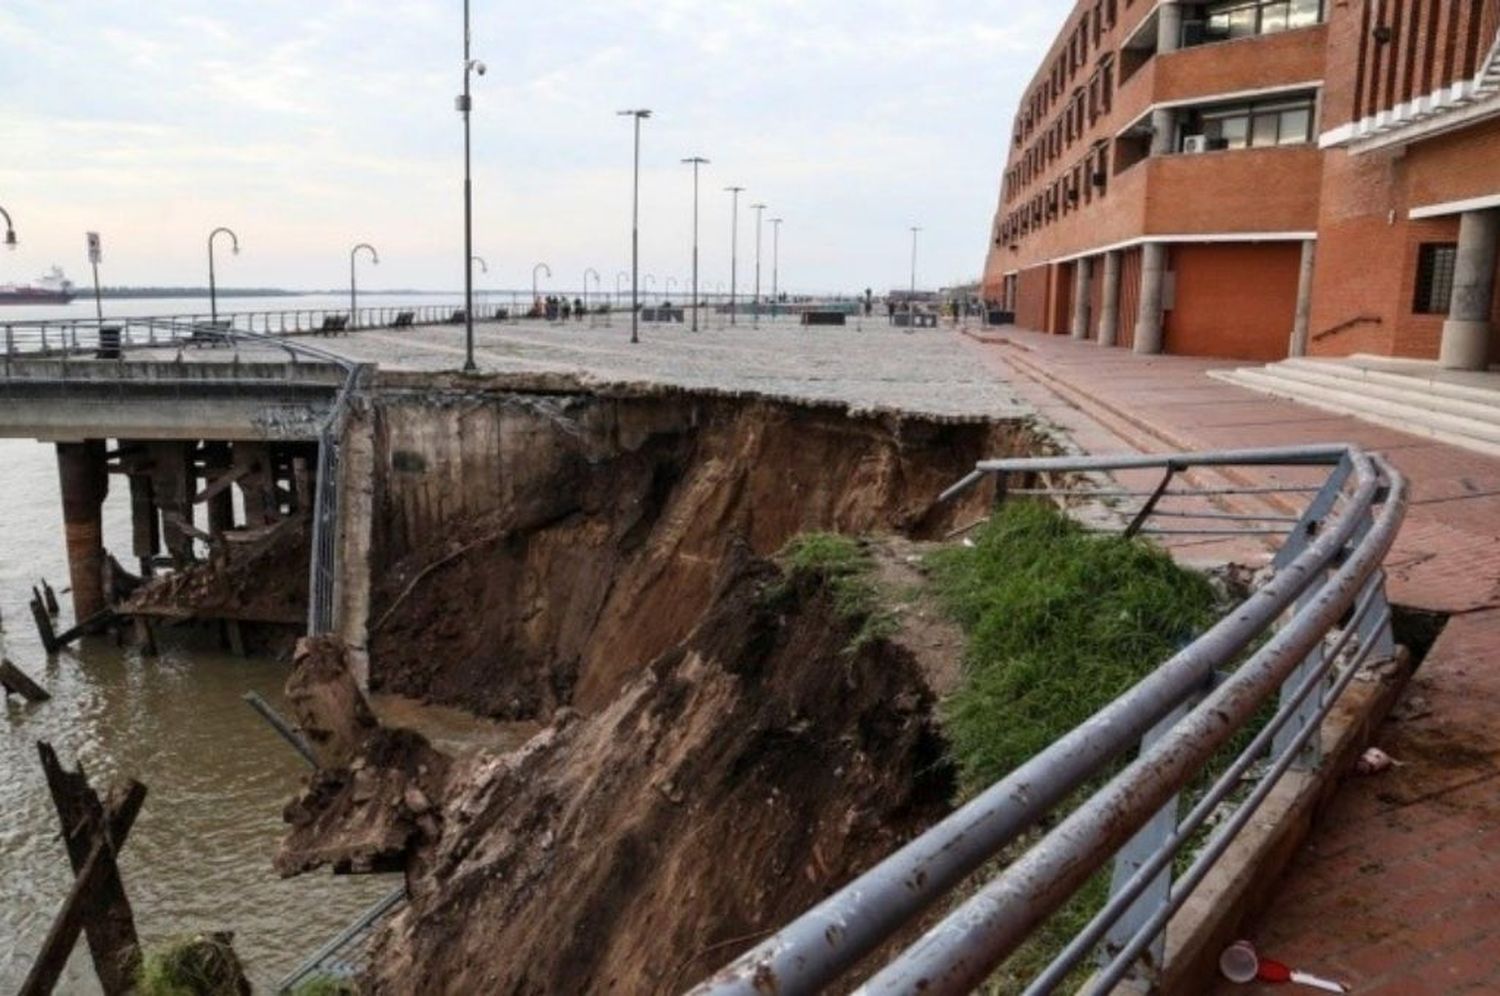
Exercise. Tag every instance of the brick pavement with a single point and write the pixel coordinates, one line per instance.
(1397, 891)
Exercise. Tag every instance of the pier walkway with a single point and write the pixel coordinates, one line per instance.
(1397, 891)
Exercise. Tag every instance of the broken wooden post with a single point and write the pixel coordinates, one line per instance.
(94, 834)
(93, 624)
(17, 682)
(50, 597)
(44, 628)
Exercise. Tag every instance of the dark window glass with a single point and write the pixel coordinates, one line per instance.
(1435, 263)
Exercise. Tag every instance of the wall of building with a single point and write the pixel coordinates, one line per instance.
(1235, 301)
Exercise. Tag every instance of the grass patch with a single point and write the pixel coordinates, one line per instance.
(844, 568)
(1059, 623)
(202, 965)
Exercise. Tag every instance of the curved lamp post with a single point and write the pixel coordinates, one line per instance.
(534, 269)
(465, 104)
(586, 285)
(912, 304)
(213, 289)
(10, 230)
(483, 268)
(353, 286)
(671, 282)
(650, 283)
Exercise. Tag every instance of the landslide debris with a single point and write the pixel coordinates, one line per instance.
(738, 779)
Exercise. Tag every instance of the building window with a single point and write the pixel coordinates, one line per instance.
(1435, 264)
(1245, 126)
(1232, 19)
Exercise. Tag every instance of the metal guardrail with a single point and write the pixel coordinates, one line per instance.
(1321, 615)
(345, 956)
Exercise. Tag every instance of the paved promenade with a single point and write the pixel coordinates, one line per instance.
(868, 365)
(1398, 890)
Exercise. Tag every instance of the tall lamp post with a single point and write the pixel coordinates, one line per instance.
(213, 287)
(10, 230)
(695, 162)
(734, 251)
(775, 264)
(760, 213)
(635, 226)
(353, 286)
(465, 104)
(911, 305)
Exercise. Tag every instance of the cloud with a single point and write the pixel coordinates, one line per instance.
(315, 125)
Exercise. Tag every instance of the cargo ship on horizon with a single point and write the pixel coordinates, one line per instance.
(54, 288)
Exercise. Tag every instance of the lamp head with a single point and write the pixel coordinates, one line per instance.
(10, 238)
(478, 66)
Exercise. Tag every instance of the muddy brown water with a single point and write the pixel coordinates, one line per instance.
(200, 855)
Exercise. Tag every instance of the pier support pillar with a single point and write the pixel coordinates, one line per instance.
(1148, 325)
(85, 482)
(172, 479)
(1109, 305)
(1304, 299)
(1083, 271)
(1467, 332)
(217, 460)
(145, 527)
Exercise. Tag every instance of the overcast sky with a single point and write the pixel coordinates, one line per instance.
(308, 126)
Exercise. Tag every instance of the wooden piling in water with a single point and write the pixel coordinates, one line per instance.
(43, 624)
(16, 682)
(94, 833)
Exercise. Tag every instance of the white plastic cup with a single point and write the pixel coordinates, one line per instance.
(1239, 962)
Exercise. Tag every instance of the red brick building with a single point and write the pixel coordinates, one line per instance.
(1260, 178)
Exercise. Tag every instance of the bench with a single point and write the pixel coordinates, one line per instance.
(210, 334)
(997, 317)
(333, 324)
(502, 314)
(678, 315)
(404, 320)
(824, 318)
(917, 320)
(458, 317)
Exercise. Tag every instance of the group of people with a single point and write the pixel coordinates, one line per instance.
(558, 308)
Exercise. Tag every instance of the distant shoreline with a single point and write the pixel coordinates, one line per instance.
(137, 293)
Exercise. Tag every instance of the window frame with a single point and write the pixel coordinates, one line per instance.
(1432, 292)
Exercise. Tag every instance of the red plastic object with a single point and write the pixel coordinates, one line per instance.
(1273, 971)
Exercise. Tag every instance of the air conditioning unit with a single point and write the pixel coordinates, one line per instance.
(1195, 144)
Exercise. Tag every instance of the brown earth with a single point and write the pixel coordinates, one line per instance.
(264, 582)
(603, 540)
(738, 779)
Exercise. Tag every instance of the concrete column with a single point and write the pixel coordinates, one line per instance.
(145, 524)
(1304, 299)
(1163, 131)
(1169, 27)
(1148, 325)
(1083, 271)
(1109, 304)
(85, 482)
(1466, 333)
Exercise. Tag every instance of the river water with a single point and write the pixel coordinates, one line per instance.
(218, 776)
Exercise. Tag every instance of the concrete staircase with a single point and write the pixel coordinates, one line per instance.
(1416, 398)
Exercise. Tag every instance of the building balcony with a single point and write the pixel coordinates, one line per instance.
(1255, 190)
(1247, 65)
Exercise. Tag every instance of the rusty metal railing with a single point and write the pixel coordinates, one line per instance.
(1303, 634)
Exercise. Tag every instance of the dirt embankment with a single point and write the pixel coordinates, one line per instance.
(734, 782)
(538, 552)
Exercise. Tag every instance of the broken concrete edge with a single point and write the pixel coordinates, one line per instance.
(1246, 878)
(555, 383)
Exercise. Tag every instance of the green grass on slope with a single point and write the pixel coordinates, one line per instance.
(1059, 622)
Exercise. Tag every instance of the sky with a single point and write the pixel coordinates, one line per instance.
(307, 127)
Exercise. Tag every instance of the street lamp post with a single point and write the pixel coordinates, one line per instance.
(465, 104)
(734, 251)
(635, 226)
(775, 264)
(10, 230)
(760, 212)
(695, 162)
(540, 266)
(213, 287)
(586, 285)
(483, 268)
(353, 286)
(911, 305)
